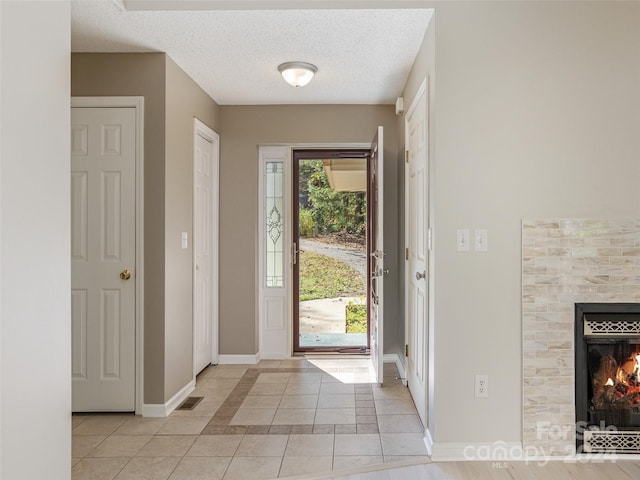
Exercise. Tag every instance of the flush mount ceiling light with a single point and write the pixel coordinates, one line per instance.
(297, 74)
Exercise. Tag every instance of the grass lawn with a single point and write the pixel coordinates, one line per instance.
(325, 277)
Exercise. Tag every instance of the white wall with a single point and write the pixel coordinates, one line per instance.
(35, 270)
(537, 115)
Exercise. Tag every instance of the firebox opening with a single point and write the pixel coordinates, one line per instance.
(607, 376)
(614, 389)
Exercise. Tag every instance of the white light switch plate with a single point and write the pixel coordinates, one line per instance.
(463, 240)
(481, 240)
(184, 240)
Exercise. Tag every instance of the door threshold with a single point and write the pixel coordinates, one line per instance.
(335, 355)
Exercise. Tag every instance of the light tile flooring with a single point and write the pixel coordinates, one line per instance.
(271, 420)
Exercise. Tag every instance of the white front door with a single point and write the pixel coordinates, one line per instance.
(205, 249)
(417, 243)
(103, 219)
(376, 255)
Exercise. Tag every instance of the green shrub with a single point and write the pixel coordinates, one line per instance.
(306, 224)
(356, 318)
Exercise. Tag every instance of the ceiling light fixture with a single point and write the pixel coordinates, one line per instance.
(297, 74)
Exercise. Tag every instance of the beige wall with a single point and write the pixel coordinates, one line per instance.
(140, 74)
(536, 113)
(184, 101)
(243, 129)
(172, 100)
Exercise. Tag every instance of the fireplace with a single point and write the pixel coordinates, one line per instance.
(607, 377)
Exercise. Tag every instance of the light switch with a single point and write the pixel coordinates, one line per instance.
(184, 240)
(462, 242)
(481, 241)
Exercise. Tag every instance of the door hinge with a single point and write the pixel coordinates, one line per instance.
(406, 350)
(406, 156)
(406, 254)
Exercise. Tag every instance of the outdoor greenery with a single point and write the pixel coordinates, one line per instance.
(356, 317)
(330, 211)
(325, 277)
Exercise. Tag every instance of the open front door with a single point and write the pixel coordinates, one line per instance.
(376, 254)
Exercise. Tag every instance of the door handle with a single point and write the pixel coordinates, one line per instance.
(125, 275)
(421, 276)
(295, 252)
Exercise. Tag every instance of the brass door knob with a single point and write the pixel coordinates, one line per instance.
(125, 275)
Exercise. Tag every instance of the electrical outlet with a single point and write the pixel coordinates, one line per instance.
(482, 386)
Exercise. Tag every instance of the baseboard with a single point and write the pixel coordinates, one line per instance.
(164, 410)
(274, 356)
(238, 359)
(154, 410)
(469, 452)
(395, 358)
(428, 441)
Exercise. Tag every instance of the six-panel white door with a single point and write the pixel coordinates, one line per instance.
(417, 262)
(103, 258)
(203, 243)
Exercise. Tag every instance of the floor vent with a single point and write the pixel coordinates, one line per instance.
(190, 403)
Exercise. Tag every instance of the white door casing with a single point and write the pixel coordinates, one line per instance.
(205, 246)
(376, 255)
(417, 238)
(103, 256)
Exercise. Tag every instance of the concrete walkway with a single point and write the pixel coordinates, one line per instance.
(323, 321)
(356, 259)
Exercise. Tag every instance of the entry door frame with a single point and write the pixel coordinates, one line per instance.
(275, 339)
(138, 104)
(200, 128)
(297, 155)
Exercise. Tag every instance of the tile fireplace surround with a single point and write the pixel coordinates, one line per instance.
(565, 262)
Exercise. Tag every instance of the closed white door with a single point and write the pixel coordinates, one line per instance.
(103, 258)
(203, 251)
(417, 261)
(376, 255)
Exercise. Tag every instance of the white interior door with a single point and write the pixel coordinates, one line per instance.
(205, 276)
(103, 199)
(376, 255)
(417, 243)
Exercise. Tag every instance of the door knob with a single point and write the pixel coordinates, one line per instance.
(125, 274)
(420, 276)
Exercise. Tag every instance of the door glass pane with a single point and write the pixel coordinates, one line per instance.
(332, 267)
(274, 242)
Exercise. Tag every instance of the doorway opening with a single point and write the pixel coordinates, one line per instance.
(330, 232)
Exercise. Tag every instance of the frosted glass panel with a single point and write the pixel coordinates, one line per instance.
(274, 211)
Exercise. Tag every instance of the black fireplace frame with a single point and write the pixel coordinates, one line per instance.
(580, 349)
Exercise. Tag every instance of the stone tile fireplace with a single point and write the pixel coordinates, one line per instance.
(566, 262)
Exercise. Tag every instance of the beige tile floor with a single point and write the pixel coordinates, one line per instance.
(271, 420)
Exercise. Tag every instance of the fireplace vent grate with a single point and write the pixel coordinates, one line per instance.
(609, 328)
(596, 441)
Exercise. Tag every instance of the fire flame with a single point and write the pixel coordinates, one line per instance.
(626, 381)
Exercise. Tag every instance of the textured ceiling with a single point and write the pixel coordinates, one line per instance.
(363, 56)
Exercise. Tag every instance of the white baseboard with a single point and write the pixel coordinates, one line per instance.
(395, 358)
(154, 410)
(487, 452)
(238, 359)
(428, 441)
(274, 356)
(164, 410)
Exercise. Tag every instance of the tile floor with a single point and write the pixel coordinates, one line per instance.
(271, 420)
